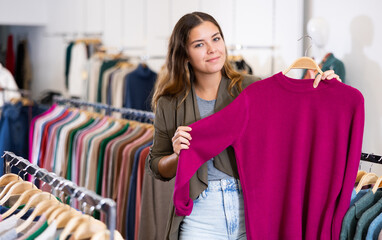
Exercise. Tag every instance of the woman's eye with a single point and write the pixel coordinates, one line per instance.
(198, 45)
(216, 39)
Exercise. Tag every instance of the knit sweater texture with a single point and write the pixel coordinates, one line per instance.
(297, 149)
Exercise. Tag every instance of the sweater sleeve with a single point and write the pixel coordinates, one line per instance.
(352, 163)
(210, 136)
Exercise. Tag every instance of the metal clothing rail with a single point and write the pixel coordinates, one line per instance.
(370, 157)
(106, 205)
(132, 114)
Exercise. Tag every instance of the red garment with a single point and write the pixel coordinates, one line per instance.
(10, 57)
(45, 137)
(141, 172)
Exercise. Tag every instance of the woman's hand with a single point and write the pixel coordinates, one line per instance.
(328, 75)
(181, 139)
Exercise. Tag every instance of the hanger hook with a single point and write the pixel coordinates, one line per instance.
(9, 163)
(22, 170)
(43, 182)
(100, 204)
(310, 43)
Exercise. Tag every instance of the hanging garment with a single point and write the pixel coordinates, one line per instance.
(314, 173)
(138, 88)
(10, 57)
(23, 69)
(374, 228)
(132, 196)
(76, 79)
(367, 217)
(104, 67)
(67, 63)
(155, 207)
(349, 223)
(140, 174)
(7, 81)
(329, 62)
(14, 128)
(93, 69)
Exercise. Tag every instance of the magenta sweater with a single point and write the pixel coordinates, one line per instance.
(297, 150)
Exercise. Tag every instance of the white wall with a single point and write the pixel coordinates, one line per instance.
(143, 27)
(355, 38)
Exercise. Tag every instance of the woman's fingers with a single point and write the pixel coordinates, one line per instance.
(181, 139)
(317, 80)
(327, 75)
(183, 128)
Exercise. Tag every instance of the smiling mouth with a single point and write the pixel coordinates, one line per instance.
(213, 59)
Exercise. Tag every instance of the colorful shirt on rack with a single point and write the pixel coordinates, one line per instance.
(284, 131)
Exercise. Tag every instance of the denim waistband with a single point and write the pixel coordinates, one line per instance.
(219, 185)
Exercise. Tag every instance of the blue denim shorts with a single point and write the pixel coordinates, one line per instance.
(218, 213)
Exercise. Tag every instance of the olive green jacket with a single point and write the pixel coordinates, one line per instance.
(167, 119)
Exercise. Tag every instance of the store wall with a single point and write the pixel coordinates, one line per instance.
(355, 38)
(143, 27)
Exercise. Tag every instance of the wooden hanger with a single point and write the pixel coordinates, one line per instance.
(57, 211)
(366, 179)
(125, 64)
(360, 174)
(72, 225)
(377, 185)
(7, 178)
(51, 209)
(88, 229)
(34, 201)
(38, 211)
(65, 217)
(23, 199)
(304, 63)
(17, 189)
(8, 186)
(105, 235)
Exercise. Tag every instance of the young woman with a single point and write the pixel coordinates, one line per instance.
(198, 81)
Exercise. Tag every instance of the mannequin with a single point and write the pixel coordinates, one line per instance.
(318, 29)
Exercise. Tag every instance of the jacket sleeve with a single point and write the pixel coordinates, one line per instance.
(351, 168)
(210, 136)
(162, 144)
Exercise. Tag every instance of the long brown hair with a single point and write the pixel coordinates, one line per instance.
(175, 79)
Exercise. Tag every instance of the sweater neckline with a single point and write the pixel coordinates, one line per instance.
(300, 85)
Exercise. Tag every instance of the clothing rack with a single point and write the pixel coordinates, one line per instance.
(106, 205)
(370, 157)
(133, 114)
(22, 91)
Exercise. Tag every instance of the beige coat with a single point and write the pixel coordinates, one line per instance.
(167, 119)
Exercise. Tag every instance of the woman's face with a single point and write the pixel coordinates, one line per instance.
(206, 49)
